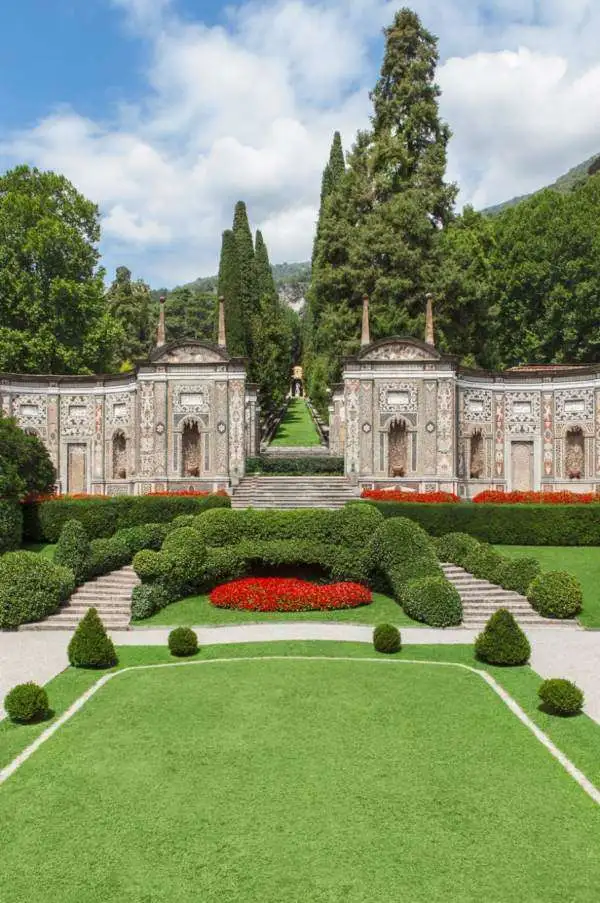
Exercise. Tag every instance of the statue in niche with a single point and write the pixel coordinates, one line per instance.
(574, 453)
(119, 451)
(398, 450)
(190, 450)
(477, 465)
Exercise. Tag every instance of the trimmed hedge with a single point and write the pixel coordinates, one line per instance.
(324, 465)
(455, 547)
(518, 525)
(101, 517)
(26, 703)
(90, 646)
(485, 563)
(11, 525)
(401, 551)
(561, 697)
(73, 550)
(432, 600)
(183, 642)
(556, 594)
(516, 574)
(386, 639)
(502, 641)
(31, 587)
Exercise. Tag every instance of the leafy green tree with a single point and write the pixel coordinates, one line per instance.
(25, 466)
(130, 304)
(191, 313)
(52, 310)
(229, 288)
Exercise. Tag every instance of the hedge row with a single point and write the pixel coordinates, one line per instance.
(11, 525)
(31, 587)
(524, 525)
(327, 466)
(101, 517)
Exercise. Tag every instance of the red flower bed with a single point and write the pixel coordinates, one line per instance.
(187, 492)
(288, 594)
(536, 498)
(396, 495)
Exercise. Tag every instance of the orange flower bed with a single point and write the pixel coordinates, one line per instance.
(192, 493)
(491, 496)
(396, 495)
(288, 594)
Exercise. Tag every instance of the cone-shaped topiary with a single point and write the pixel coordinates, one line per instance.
(386, 638)
(560, 696)
(90, 647)
(26, 702)
(73, 550)
(502, 641)
(183, 641)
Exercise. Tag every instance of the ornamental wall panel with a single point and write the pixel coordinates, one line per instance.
(366, 426)
(429, 438)
(352, 427)
(445, 428)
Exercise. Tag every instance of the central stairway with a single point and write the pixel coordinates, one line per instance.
(293, 492)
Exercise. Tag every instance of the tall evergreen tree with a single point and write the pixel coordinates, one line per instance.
(229, 288)
(248, 291)
(130, 304)
(265, 283)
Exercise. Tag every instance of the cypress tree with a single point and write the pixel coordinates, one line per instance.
(265, 283)
(229, 288)
(248, 289)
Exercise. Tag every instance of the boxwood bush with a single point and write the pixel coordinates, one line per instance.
(432, 600)
(73, 550)
(516, 574)
(183, 642)
(556, 594)
(502, 641)
(561, 697)
(386, 638)
(453, 548)
(485, 563)
(326, 465)
(26, 703)
(147, 599)
(11, 525)
(90, 646)
(401, 551)
(31, 587)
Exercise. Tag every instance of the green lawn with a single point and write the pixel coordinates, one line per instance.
(300, 780)
(42, 548)
(583, 562)
(297, 427)
(197, 610)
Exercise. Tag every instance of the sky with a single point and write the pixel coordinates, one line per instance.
(166, 112)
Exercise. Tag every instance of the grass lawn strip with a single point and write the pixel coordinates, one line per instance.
(296, 780)
(581, 561)
(297, 427)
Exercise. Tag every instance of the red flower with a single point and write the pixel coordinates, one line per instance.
(397, 495)
(536, 498)
(288, 594)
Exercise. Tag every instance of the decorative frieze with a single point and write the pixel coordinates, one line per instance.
(499, 434)
(445, 428)
(522, 412)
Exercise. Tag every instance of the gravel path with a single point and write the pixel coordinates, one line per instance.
(571, 653)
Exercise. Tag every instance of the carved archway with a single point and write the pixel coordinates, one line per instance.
(398, 448)
(119, 456)
(476, 456)
(574, 453)
(191, 449)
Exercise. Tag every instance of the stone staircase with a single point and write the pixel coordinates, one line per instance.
(110, 594)
(293, 492)
(481, 599)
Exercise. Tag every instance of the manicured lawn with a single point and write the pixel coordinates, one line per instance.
(297, 427)
(197, 610)
(42, 548)
(298, 780)
(583, 562)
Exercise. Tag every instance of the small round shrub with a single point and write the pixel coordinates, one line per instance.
(556, 595)
(386, 638)
(453, 548)
(73, 550)
(31, 587)
(149, 565)
(183, 641)
(90, 646)
(26, 702)
(502, 641)
(432, 600)
(147, 599)
(516, 574)
(182, 520)
(484, 563)
(561, 697)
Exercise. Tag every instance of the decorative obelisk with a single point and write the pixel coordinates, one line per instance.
(160, 333)
(222, 340)
(429, 336)
(365, 338)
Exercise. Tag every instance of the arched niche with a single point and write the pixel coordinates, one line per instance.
(574, 453)
(398, 448)
(476, 455)
(119, 456)
(191, 449)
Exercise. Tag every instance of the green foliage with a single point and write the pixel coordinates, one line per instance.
(516, 574)
(561, 697)
(26, 703)
(130, 305)
(301, 466)
(190, 313)
(229, 288)
(502, 641)
(25, 466)
(386, 638)
(52, 307)
(244, 249)
(556, 594)
(522, 525)
(108, 555)
(401, 551)
(73, 550)
(147, 599)
(148, 565)
(223, 565)
(432, 600)
(454, 548)
(183, 642)
(485, 563)
(31, 587)
(90, 646)
(356, 525)
(11, 525)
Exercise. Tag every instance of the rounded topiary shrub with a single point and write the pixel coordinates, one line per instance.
(516, 574)
(502, 641)
(386, 638)
(108, 555)
(561, 697)
(455, 547)
(183, 641)
(403, 551)
(31, 587)
(73, 550)
(356, 524)
(147, 599)
(149, 565)
(432, 600)
(26, 702)
(484, 563)
(556, 595)
(90, 647)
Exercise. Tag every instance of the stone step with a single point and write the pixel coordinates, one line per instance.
(109, 591)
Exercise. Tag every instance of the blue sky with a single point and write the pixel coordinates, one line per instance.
(165, 112)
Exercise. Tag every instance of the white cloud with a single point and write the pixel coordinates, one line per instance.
(247, 110)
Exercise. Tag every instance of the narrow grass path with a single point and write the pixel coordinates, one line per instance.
(296, 780)
(297, 427)
(581, 561)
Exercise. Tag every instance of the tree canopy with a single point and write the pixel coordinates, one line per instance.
(25, 466)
